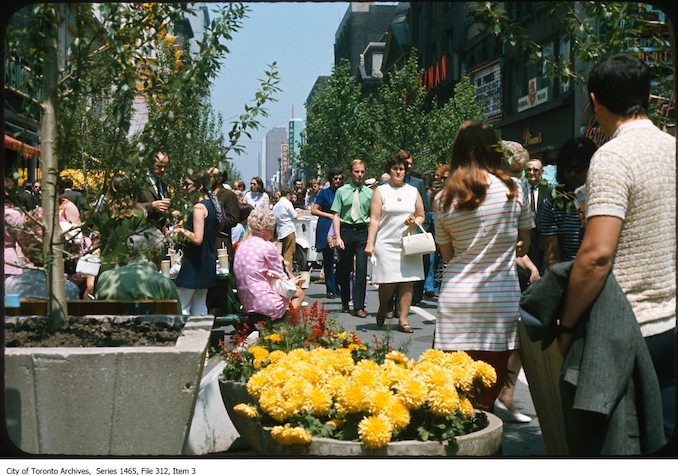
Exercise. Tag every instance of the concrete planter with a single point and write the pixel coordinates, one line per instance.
(106, 401)
(485, 442)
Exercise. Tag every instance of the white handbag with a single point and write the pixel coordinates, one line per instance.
(421, 243)
(88, 264)
(284, 288)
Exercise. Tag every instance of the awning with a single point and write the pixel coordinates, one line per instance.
(26, 151)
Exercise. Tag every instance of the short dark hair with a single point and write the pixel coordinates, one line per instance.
(334, 172)
(398, 158)
(244, 211)
(284, 191)
(260, 182)
(575, 152)
(621, 83)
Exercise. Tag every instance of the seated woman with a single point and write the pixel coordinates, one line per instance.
(257, 262)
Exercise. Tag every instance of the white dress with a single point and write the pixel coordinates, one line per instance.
(391, 264)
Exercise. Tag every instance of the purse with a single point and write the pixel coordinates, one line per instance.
(285, 288)
(420, 243)
(88, 264)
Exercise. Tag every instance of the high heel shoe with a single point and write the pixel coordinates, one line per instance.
(504, 413)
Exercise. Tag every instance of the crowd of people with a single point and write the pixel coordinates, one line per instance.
(499, 229)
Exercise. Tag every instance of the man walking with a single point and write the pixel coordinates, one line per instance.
(351, 208)
(418, 183)
(630, 218)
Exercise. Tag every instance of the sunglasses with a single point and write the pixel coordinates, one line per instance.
(534, 170)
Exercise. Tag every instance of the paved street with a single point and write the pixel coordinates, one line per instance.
(519, 440)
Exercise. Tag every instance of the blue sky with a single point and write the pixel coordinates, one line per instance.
(300, 37)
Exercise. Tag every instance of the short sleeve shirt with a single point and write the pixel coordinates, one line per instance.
(343, 201)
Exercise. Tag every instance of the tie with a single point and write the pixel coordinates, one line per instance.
(532, 202)
(355, 207)
(158, 186)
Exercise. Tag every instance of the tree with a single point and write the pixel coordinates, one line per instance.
(339, 124)
(114, 53)
(595, 30)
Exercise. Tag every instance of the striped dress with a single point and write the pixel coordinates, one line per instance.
(479, 295)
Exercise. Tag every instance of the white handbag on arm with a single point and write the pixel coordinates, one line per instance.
(417, 244)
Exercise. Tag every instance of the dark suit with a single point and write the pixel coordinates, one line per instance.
(418, 285)
(147, 194)
(537, 241)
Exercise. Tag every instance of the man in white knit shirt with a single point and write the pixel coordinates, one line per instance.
(630, 218)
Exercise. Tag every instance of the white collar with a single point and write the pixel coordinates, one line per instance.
(632, 125)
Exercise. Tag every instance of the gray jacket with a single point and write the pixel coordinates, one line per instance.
(609, 389)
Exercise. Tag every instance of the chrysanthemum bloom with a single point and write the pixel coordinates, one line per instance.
(435, 376)
(273, 404)
(394, 373)
(412, 392)
(486, 373)
(375, 431)
(433, 355)
(397, 414)
(443, 400)
(465, 407)
(462, 377)
(276, 355)
(334, 384)
(257, 382)
(259, 352)
(286, 435)
(246, 410)
(354, 397)
(458, 358)
(318, 402)
(369, 374)
(342, 361)
(398, 358)
(380, 399)
(273, 337)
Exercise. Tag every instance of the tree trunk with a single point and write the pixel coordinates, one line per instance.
(53, 244)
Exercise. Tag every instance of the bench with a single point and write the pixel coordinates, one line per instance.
(81, 308)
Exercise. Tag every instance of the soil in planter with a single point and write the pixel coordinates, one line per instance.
(91, 333)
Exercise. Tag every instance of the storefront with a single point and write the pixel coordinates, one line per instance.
(21, 158)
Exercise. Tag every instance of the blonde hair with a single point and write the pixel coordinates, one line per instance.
(260, 220)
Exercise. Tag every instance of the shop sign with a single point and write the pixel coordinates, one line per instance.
(487, 80)
(435, 74)
(18, 77)
(529, 139)
(534, 97)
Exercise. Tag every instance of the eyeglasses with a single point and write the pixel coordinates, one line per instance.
(534, 170)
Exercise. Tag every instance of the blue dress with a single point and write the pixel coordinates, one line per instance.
(199, 264)
(324, 201)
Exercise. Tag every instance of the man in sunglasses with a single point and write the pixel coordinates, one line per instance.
(537, 191)
(153, 195)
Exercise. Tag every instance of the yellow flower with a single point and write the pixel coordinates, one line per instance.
(246, 410)
(273, 337)
(272, 403)
(398, 358)
(334, 384)
(397, 414)
(379, 400)
(432, 355)
(354, 397)
(286, 435)
(356, 346)
(458, 358)
(341, 335)
(259, 352)
(412, 392)
(375, 431)
(443, 400)
(318, 401)
(275, 356)
(465, 407)
(256, 383)
(486, 373)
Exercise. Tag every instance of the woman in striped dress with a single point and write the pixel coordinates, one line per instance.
(481, 224)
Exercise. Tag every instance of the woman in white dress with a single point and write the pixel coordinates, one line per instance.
(395, 207)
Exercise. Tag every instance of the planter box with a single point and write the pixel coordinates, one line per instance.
(485, 442)
(106, 401)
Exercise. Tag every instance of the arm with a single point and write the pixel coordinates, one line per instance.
(552, 251)
(589, 271)
(446, 251)
(526, 263)
(419, 216)
(523, 242)
(199, 215)
(375, 219)
(315, 210)
(336, 225)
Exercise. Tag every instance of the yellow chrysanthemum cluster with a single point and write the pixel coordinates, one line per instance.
(328, 384)
(274, 337)
(286, 435)
(246, 410)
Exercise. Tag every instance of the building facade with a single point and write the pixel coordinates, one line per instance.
(275, 148)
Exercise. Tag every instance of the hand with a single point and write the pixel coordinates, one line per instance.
(534, 276)
(161, 205)
(564, 341)
(340, 243)
(369, 249)
(411, 221)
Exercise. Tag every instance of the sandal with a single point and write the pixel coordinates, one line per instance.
(405, 328)
(381, 318)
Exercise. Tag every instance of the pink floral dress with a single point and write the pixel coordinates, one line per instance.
(254, 258)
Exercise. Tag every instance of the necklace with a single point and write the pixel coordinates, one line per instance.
(398, 192)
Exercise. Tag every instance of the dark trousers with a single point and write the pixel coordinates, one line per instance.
(328, 268)
(355, 240)
(662, 350)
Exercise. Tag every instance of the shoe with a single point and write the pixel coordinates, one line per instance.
(320, 281)
(429, 294)
(344, 308)
(405, 328)
(505, 414)
(381, 318)
(360, 313)
(331, 296)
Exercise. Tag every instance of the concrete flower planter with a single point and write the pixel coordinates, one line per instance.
(485, 442)
(106, 401)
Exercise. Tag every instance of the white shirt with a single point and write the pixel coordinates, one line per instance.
(257, 200)
(284, 217)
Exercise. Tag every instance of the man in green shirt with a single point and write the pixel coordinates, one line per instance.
(139, 279)
(352, 215)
